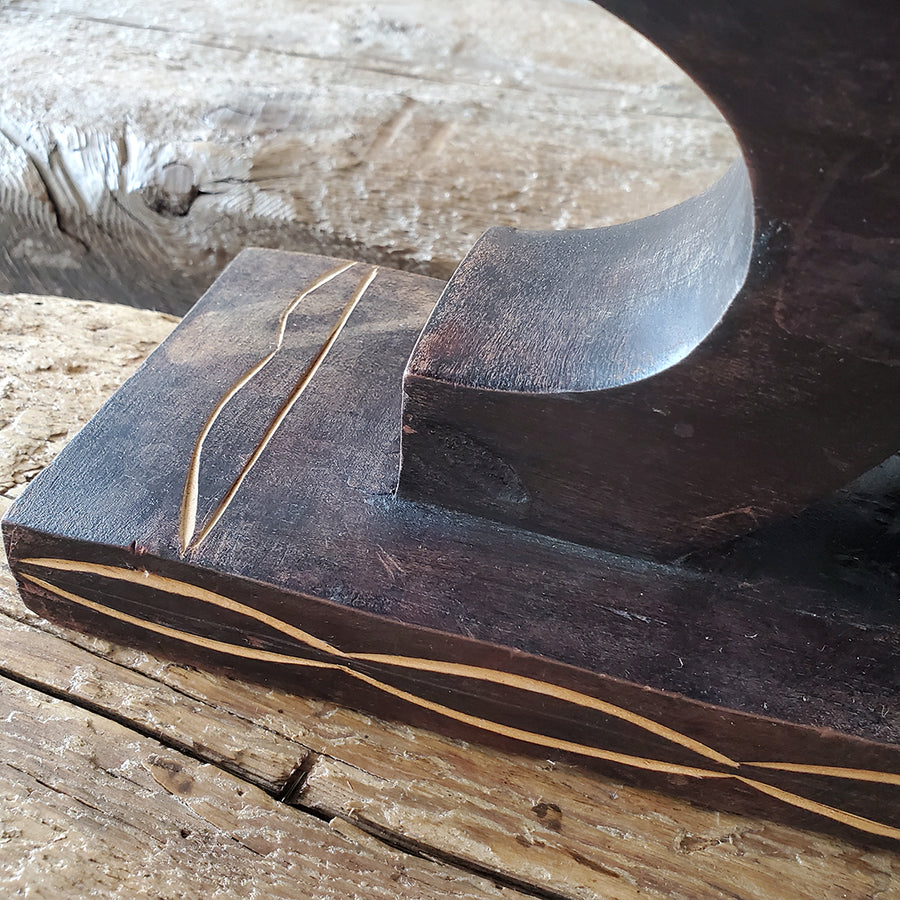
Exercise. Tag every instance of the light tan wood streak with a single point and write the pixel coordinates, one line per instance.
(846, 818)
(830, 771)
(547, 689)
(188, 517)
(186, 636)
(182, 589)
(495, 676)
(282, 414)
(830, 812)
(518, 734)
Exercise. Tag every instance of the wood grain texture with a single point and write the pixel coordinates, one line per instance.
(99, 810)
(587, 838)
(526, 830)
(448, 621)
(90, 678)
(46, 346)
(655, 387)
(558, 830)
(163, 141)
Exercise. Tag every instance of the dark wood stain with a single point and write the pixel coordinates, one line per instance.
(667, 384)
(753, 664)
(743, 653)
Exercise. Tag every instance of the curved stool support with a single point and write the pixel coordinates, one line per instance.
(601, 386)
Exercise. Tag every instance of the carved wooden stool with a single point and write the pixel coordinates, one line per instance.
(580, 499)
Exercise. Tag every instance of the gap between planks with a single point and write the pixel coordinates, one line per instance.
(289, 794)
(123, 808)
(564, 833)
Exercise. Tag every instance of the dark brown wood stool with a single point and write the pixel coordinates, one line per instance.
(625, 496)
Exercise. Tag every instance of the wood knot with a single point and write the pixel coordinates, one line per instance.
(170, 775)
(549, 814)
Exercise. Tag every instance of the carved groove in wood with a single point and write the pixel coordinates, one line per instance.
(351, 664)
(187, 523)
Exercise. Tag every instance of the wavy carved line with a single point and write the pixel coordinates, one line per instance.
(282, 658)
(495, 676)
(187, 524)
(188, 517)
(821, 809)
(842, 816)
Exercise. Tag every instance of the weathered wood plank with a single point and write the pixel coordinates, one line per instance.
(59, 362)
(92, 809)
(164, 139)
(234, 743)
(478, 808)
(587, 837)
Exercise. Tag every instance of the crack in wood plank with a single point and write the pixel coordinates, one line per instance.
(434, 854)
(293, 787)
(228, 815)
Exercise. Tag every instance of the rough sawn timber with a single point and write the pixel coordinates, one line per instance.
(100, 810)
(551, 830)
(164, 139)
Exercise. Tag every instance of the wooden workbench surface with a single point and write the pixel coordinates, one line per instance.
(162, 140)
(125, 775)
(167, 137)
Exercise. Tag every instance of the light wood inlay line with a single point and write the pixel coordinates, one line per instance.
(182, 589)
(187, 525)
(186, 589)
(287, 406)
(188, 518)
(829, 771)
(547, 689)
(495, 676)
(830, 812)
(284, 659)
